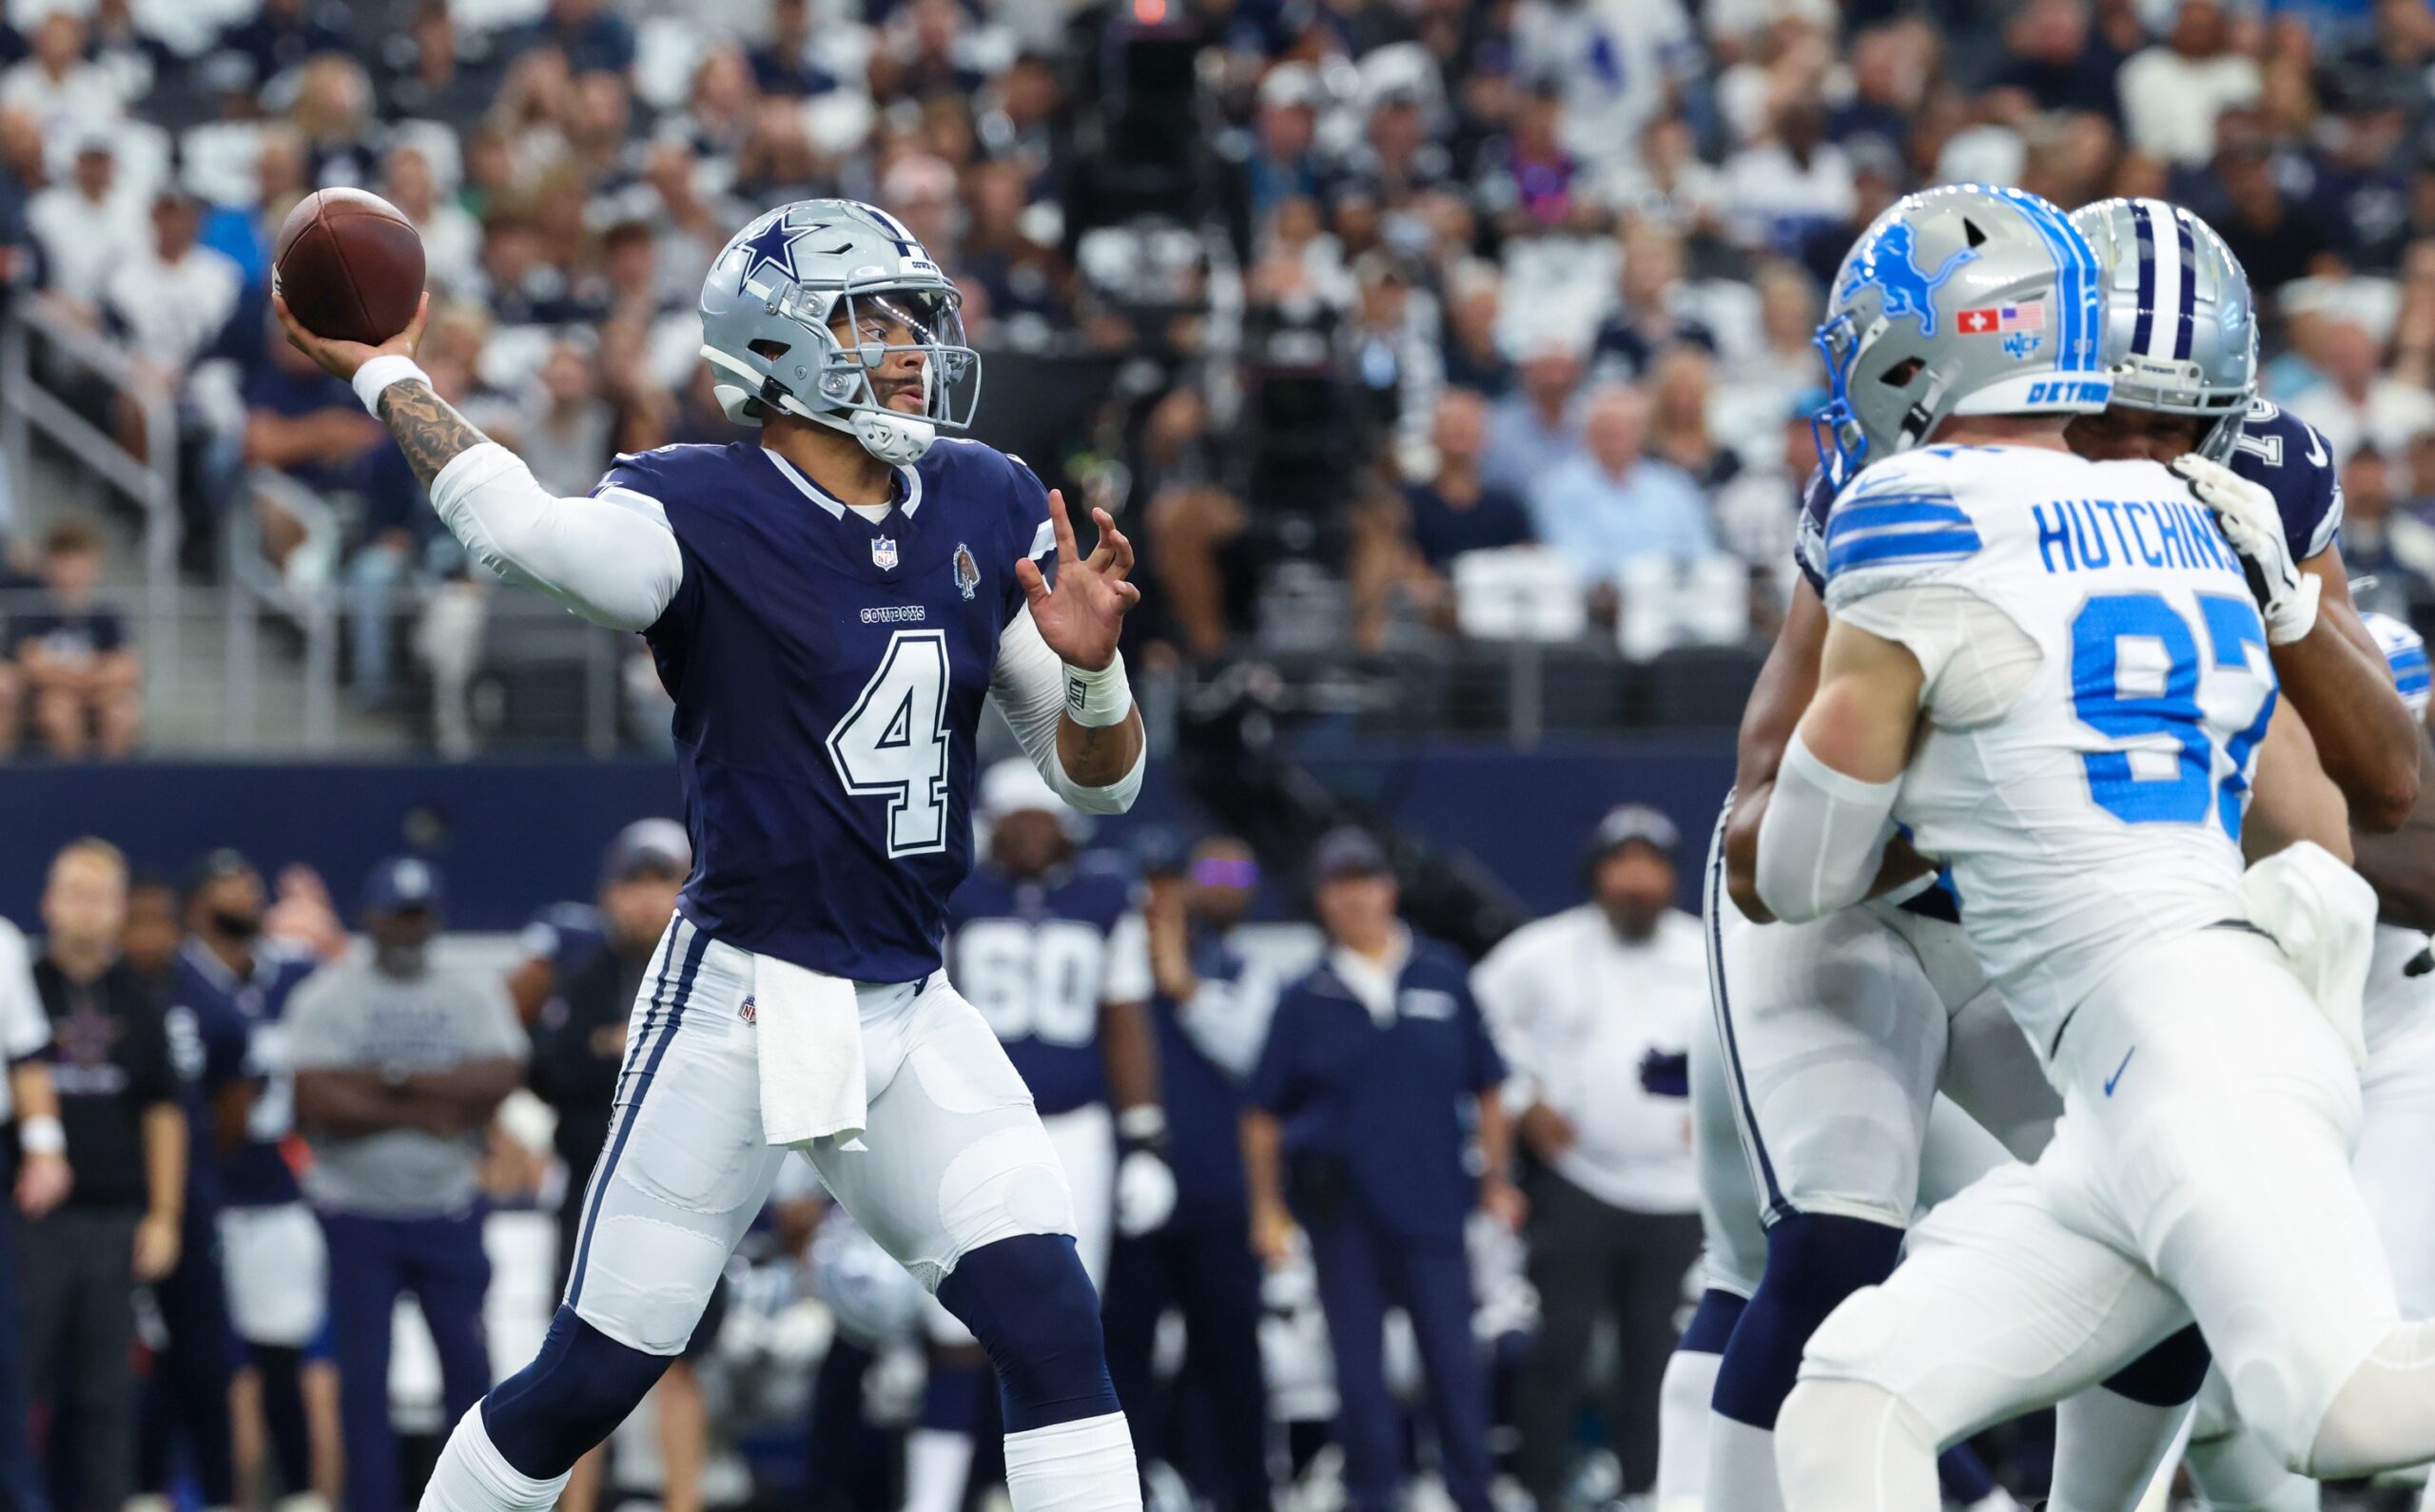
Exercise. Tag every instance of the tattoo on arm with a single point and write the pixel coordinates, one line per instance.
(428, 430)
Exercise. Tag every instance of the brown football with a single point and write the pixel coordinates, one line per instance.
(349, 266)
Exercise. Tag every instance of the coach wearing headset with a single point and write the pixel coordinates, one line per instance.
(1593, 1009)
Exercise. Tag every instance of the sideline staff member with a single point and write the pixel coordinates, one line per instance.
(1358, 1127)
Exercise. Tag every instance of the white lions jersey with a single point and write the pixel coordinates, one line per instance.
(2395, 1000)
(2094, 803)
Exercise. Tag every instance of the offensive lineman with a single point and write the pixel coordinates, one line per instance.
(1891, 993)
(829, 605)
(2069, 713)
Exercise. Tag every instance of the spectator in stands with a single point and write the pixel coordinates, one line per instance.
(1377, 1074)
(579, 1044)
(592, 35)
(1594, 1009)
(1681, 391)
(87, 227)
(282, 34)
(70, 97)
(80, 670)
(1285, 162)
(1456, 509)
(168, 304)
(1614, 502)
(400, 1063)
(567, 430)
(118, 1228)
(1649, 316)
(35, 1174)
(1537, 427)
(2056, 58)
(2392, 554)
(1757, 513)
(2358, 403)
(425, 77)
(2276, 237)
(452, 238)
(2172, 92)
(1473, 358)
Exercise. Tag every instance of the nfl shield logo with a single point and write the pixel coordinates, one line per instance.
(884, 552)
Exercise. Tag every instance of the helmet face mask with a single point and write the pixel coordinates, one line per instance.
(811, 311)
(2181, 332)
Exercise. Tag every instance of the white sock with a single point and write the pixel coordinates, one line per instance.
(1086, 1465)
(1683, 1415)
(937, 1463)
(2107, 1448)
(472, 1476)
(1741, 1467)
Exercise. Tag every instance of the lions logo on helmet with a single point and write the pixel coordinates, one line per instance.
(1898, 370)
(809, 310)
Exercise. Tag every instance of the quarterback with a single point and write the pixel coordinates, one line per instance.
(829, 603)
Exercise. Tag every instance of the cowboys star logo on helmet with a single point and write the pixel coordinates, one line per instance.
(782, 289)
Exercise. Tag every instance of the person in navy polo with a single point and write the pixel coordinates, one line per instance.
(1210, 1013)
(1376, 1077)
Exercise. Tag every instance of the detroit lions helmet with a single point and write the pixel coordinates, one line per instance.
(2181, 327)
(1968, 299)
(779, 288)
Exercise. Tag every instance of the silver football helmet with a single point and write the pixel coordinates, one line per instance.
(783, 288)
(1968, 299)
(2180, 326)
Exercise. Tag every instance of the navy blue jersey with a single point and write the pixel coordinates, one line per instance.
(236, 1023)
(1039, 958)
(1385, 1103)
(2287, 457)
(828, 674)
(1204, 1102)
(2278, 451)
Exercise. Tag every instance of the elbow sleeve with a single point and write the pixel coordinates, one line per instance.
(1821, 841)
(1113, 799)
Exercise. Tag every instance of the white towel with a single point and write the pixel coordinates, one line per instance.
(810, 1034)
(2323, 915)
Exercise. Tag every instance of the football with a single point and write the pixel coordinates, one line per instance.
(350, 266)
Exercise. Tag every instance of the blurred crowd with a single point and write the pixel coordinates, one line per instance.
(246, 1122)
(1377, 321)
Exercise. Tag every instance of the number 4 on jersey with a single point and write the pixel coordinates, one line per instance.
(893, 742)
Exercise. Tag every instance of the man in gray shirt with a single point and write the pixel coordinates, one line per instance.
(399, 1065)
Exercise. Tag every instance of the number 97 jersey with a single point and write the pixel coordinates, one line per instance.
(1040, 958)
(2085, 768)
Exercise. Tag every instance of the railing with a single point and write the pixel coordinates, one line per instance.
(26, 405)
(300, 592)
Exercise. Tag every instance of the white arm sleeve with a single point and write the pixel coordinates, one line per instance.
(610, 559)
(1823, 836)
(1975, 659)
(1029, 685)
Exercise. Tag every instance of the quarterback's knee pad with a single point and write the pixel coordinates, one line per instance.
(1848, 1444)
(2168, 1375)
(2381, 1419)
(1712, 1321)
(1814, 1262)
(1032, 1306)
(573, 1394)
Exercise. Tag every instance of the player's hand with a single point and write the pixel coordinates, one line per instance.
(1146, 1194)
(156, 1245)
(1272, 1232)
(43, 1183)
(340, 358)
(2287, 596)
(1079, 618)
(1548, 1133)
(1502, 1201)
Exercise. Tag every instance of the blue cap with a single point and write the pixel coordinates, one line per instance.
(1635, 825)
(1349, 851)
(403, 882)
(648, 845)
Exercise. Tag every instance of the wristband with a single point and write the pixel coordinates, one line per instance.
(1142, 1125)
(1096, 699)
(375, 376)
(42, 1136)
